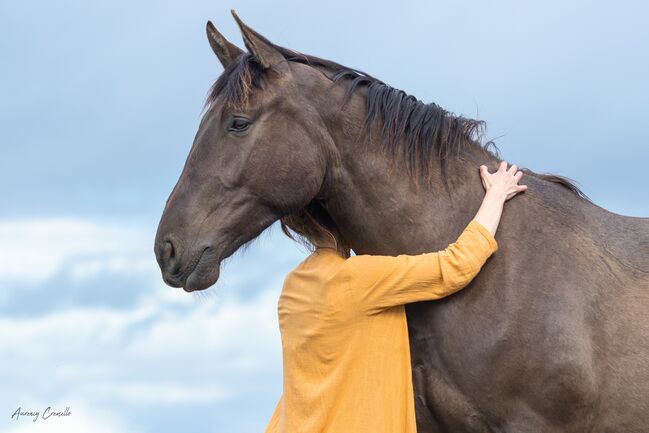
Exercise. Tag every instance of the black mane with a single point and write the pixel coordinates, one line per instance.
(422, 133)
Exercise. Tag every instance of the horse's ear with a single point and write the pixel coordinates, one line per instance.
(224, 49)
(261, 48)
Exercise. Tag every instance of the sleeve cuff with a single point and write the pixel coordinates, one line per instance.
(493, 244)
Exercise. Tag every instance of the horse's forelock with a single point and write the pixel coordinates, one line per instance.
(237, 82)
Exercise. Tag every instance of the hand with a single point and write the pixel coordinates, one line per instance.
(502, 183)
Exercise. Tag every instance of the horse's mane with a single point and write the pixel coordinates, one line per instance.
(422, 133)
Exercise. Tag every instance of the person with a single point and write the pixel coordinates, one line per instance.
(345, 348)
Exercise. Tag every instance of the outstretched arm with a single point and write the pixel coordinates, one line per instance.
(379, 282)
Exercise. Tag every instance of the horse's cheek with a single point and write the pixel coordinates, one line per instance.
(290, 178)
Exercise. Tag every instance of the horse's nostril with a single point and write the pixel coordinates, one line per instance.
(168, 250)
(168, 254)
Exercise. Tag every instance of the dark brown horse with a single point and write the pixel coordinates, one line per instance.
(553, 334)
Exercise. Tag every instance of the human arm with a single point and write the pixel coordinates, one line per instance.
(379, 282)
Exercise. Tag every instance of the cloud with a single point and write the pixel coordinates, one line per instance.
(157, 394)
(84, 316)
(51, 264)
(207, 357)
(197, 347)
(36, 249)
(209, 353)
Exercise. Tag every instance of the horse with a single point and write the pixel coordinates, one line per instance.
(551, 336)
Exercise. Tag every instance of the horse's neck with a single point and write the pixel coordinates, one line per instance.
(380, 210)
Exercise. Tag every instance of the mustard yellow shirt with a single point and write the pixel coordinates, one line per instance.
(345, 349)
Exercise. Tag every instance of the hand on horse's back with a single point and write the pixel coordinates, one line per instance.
(503, 182)
(500, 186)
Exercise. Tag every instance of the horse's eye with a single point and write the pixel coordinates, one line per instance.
(239, 124)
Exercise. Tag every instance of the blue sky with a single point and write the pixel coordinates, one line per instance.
(99, 105)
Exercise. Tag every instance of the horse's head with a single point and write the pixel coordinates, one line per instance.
(254, 159)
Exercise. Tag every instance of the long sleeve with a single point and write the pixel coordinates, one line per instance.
(378, 282)
(273, 423)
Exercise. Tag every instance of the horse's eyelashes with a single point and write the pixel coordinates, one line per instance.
(239, 124)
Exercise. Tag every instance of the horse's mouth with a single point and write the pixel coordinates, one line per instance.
(203, 270)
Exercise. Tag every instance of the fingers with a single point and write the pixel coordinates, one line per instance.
(517, 177)
(513, 170)
(483, 175)
(504, 179)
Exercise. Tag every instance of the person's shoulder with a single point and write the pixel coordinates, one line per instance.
(301, 266)
(318, 262)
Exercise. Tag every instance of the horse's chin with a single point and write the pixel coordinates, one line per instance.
(205, 274)
(202, 280)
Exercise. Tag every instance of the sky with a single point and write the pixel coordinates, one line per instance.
(99, 103)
